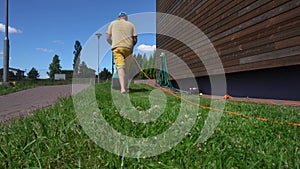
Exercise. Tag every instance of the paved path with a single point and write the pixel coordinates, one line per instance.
(24, 102)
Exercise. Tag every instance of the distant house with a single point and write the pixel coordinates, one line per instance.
(16, 73)
(68, 73)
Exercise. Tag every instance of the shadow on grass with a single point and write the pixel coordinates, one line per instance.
(142, 90)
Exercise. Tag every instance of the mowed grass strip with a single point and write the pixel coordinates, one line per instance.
(54, 138)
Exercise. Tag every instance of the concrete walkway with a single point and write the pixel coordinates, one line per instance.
(24, 102)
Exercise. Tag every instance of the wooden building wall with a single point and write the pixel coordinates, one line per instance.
(249, 35)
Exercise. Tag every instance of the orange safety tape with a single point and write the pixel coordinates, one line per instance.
(207, 107)
(291, 103)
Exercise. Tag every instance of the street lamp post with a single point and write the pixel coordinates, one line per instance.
(6, 47)
(98, 35)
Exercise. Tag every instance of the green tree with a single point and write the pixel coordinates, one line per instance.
(54, 67)
(150, 67)
(144, 66)
(105, 74)
(19, 75)
(148, 64)
(139, 59)
(153, 63)
(133, 70)
(33, 74)
(11, 75)
(76, 59)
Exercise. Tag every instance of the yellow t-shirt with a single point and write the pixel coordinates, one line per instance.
(122, 32)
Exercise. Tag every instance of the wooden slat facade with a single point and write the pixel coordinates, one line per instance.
(238, 30)
(248, 35)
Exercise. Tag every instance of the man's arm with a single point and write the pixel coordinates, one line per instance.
(134, 40)
(108, 38)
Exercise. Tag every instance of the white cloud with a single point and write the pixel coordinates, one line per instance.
(1, 53)
(146, 48)
(45, 50)
(10, 29)
(59, 42)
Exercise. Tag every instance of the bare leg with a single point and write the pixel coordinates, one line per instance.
(128, 61)
(121, 73)
(126, 81)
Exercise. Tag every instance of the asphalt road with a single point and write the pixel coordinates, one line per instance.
(24, 102)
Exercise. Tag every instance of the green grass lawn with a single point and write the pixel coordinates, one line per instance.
(54, 138)
(27, 84)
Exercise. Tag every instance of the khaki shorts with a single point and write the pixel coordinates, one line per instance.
(122, 57)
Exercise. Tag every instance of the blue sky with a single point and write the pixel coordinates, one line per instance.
(39, 29)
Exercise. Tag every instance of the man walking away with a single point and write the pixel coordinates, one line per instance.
(122, 37)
